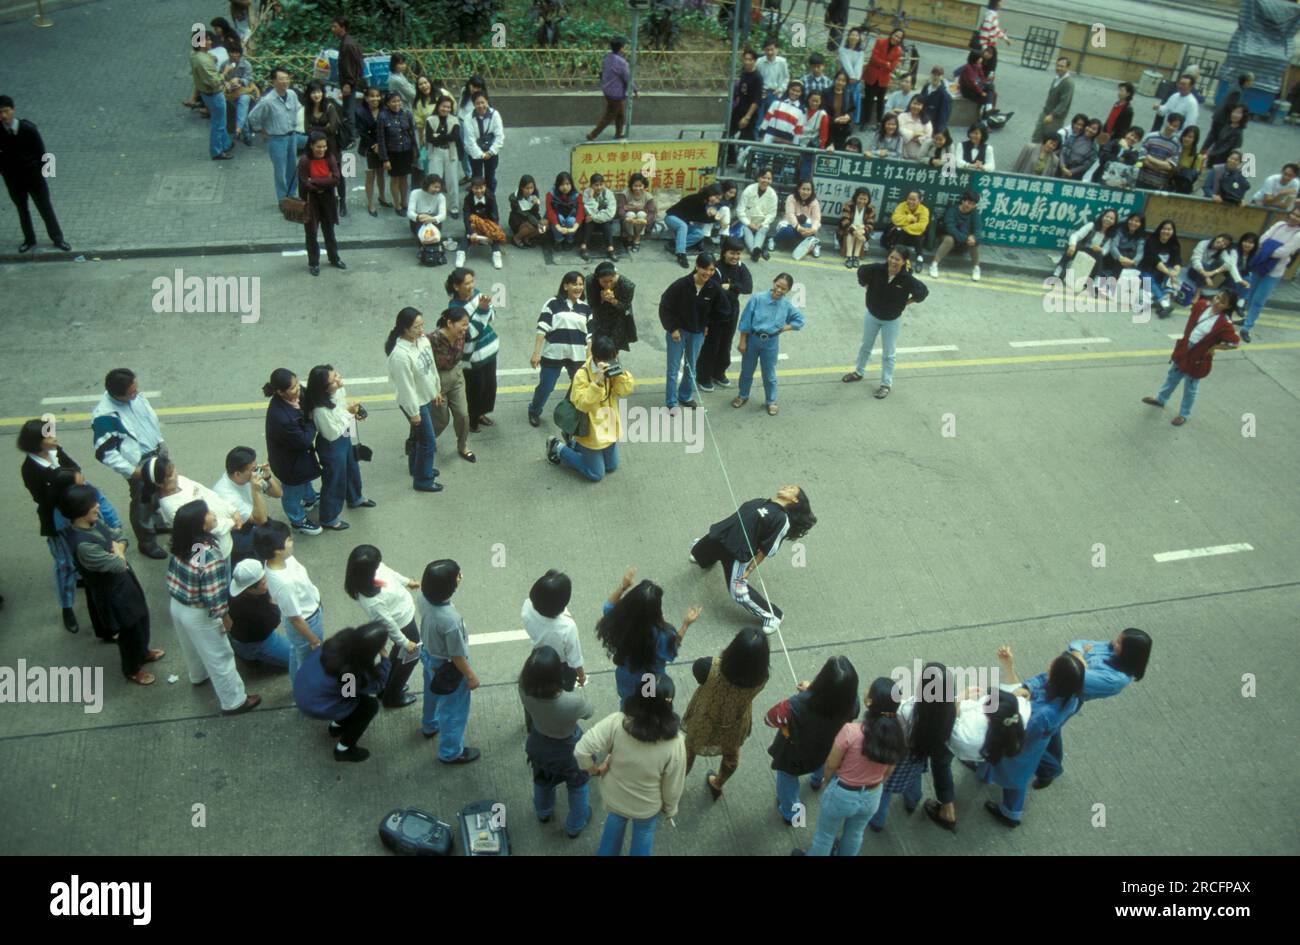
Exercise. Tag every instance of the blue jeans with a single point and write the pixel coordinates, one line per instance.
(284, 164)
(293, 500)
(420, 462)
(1261, 287)
(340, 477)
(1171, 384)
(787, 791)
(565, 239)
(643, 835)
(447, 715)
(684, 234)
(911, 797)
(1013, 799)
(273, 651)
(1051, 766)
(760, 351)
(218, 140)
(545, 385)
(590, 463)
(689, 345)
(241, 113)
(888, 331)
(754, 239)
(299, 648)
(579, 805)
(847, 810)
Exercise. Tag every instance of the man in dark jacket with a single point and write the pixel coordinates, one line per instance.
(689, 307)
(690, 219)
(22, 161)
(351, 62)
(610, 296)
(715, 353)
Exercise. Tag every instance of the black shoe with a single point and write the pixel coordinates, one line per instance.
(1245, 336)
(755, 254)
(70, 621)
(436, 487)
(63, 245)
(223, 156)
(153, 551)
(343, 210)
(690, 403)
(722, 382)
(466, 756)
(534, 420)
(430, 734)
(682, 261)
(1041, 782)
(874, 828)
(583, 254)
(339, 264)
(368, 504)
(548, 256)
(27, 247)
(373, 213)
(314, 270)
(766, 254)
(351, 754)
(401, 702)
(335, 729)
(993, 809)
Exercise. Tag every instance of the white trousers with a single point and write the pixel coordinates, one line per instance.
(207, 653)
(442, 161)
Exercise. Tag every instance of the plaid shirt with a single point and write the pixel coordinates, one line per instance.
(816, 83)
(202, 580)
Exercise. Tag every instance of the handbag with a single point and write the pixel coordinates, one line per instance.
(293, 209)
(569, 418)
(446, 679)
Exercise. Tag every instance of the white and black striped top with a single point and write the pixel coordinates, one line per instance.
(566, 326)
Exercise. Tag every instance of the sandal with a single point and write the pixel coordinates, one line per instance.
(486, 421)
(851, 378)
(772, 410)
(739, 401)
(882, 392)
(142, 678)
(154, 656)
(469, 455)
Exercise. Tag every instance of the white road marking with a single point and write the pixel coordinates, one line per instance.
(293, 252)
(90, 398)
(364, 381)
(1176, 336)
(1201, 552)
(502, 636)
(923, 349)
(1059, 341)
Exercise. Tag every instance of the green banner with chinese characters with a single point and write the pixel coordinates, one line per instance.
(1015, 209)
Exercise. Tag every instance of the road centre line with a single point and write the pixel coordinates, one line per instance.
(1201, 552)
(89, 398)
(1059, 341)
(1003, 361)
(501, 636)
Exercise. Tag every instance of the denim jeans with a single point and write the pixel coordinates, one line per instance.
(1261, 287)
(888, 331)
(643, 835)
(447, 715)
(1171, 384)
(420, 462)
(284, 164)
(293, 500)
(689, 345)
(218, 139)
(579, 805)
(565, 239)
(340, 477)
(763, 352)
(1051, 766)
(545, 385)
(754, 239)
(273, 651)
(1013, 799)
(299, 648)
(684, 234)
(593, 464)
(847, 810)
(241, 111)
(911, 797)
(787, 791)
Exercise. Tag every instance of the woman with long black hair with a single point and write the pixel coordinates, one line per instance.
(1161, 262)
(1093, 239)
(411, 367)
(325, 400)
(927, 718)
(1125, 249)
(319, 114)
(555, 713)
(720, 716)
(741, 542)
(860, 760)
(290, 442)
(447, 342)
(635, 635)
(385, 596)
(807, 724)
(339, 682)
(481, 346)
(365, 118)
(397, 148)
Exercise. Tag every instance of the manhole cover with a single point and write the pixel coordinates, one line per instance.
(185, 189)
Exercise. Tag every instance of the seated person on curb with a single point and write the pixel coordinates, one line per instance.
(689, 219)
(482, 222)
(426, 211)
(601, 206)
(960, 230)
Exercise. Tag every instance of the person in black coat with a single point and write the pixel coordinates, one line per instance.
(688, 308)
(690, 219)
(22, 158)
(365, 119)
(891, 287)
(319, 193)
(610, 296)
(715, 353)
(290, 437)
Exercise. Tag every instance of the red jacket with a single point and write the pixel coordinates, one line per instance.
(879, 69)
(1195, 361)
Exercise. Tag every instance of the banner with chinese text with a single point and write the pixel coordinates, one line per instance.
(681, 166)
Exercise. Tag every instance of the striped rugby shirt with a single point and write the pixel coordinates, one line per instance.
(566, 327)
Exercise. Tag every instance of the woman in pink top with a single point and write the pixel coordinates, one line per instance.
(860, 760)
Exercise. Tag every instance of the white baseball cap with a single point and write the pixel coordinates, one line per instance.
(247, 573)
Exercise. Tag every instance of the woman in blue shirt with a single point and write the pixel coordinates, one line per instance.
(636, 636)
(1054, 696)
(766, 317)
(1110, 668)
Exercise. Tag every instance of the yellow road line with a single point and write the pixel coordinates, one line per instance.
(1064, 357)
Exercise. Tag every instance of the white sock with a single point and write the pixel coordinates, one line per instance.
(341, 747)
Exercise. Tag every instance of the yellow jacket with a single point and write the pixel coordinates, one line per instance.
(913, 224)
(600, 403)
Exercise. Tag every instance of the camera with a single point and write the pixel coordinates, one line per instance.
(613, 369)
(361, 412)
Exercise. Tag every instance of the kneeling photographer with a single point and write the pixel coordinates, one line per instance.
(589, 415)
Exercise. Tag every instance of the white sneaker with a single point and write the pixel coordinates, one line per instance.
(934, 270)
(803, 248)
(919, 259)
(496, 259)
(975, 273)
(460, 258)
(817, 248)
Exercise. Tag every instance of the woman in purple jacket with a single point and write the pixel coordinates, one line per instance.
(615, 84)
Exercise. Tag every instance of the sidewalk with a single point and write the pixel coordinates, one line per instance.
(134, 178)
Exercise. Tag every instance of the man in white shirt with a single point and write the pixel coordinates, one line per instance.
(1183, 102)
(1279, 191)
(776, 75)
(1285, 235)
(548, 622)
(245, 485)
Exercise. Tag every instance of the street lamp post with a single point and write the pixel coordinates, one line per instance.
(636, 6)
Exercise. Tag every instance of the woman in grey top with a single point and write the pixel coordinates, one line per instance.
(555, 714)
